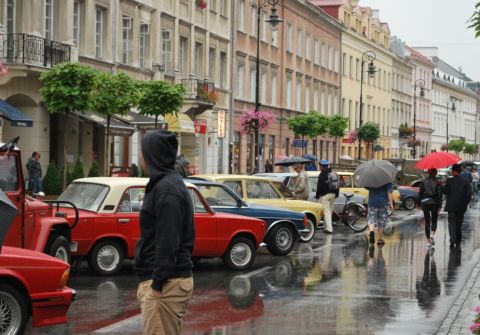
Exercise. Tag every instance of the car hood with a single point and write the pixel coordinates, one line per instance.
(25, 256)
(273, 211)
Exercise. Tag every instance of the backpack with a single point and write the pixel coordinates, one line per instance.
(332, 182)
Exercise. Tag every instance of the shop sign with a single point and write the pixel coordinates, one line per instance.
(221, 124)
(300, 143)
(200, 126)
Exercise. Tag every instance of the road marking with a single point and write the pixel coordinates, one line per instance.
(256, 272)
(120, 324)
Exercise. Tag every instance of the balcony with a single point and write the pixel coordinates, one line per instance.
(200, 95)
(32, 50)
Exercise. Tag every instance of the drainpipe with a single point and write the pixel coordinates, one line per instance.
(233, 34)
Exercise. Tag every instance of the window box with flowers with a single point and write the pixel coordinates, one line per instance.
(209, 95)
(404, 131)
(202, 4)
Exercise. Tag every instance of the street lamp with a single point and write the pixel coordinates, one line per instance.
(421, 84)
(274, 23)
(367, 56)
(453, 108)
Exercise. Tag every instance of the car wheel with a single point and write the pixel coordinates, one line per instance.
(241, 292)
(308, 236)
(240, 254)
(409, 203)
(59, 247)
(106, 258)
(13, 310)
(280, 240)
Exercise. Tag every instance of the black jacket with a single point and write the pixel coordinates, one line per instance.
(167, 231)
(322, 185)
(430, 188)
(458, 193)
(34, 168)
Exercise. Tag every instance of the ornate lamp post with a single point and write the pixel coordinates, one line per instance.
(367, 56)
(453, 108)
(421, 84)
(274, 23)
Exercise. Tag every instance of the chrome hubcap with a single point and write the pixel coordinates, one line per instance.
(10, 314)
(62, 254)
(240, 254)
(108, 258)
(283, 238)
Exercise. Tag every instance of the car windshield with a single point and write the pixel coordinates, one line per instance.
(216, 195)
(85, 195)
(8, 173)
(284, 190)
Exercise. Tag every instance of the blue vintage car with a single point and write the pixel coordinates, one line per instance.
(284, 227)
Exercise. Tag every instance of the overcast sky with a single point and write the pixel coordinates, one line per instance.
(440, 23)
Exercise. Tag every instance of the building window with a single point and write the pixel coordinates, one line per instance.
(315, 97)
(240, 80)
(271, 149)
(127, 23)
(289, 37)
(182, 55)
(98, 32)
(307, 47)
(298, 99)
(167, 50)
(289, 91)
(253, 75)
(299, 42)
(330, 58)
(316, 52)
(223, 8)
(144, 33)
(198, 59)
(264, 26)
(307, 97)
(275, 38)
(253, 18)
(223, 69)
(344, 64)
(241, 15)
(76, 23)
(263, 96)
(211, 63)
(48, 19)
(324, 56)
(336, 60)
(274, 89)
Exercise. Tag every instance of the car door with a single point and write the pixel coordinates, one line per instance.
(128, 216)
(10, 184)
(206, 230)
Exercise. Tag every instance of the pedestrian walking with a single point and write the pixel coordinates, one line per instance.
(459, 193)
(34, 169)
(327, 191)
(380, 200)
(467, 175)
(301, 186)
(475, 180)
(430, 200)
(167, 233)
(268, 166)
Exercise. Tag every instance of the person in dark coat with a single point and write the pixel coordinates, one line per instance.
(430, 200)
(268, 166)
(35, 172)
(163, 255)
(459, 193)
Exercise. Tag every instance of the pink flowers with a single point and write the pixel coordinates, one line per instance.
(444, 147)
(352, 136)
(3, 70)
(475, 327)
(201, 3)
(251, 120)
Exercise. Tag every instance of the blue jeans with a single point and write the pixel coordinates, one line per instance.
(36, 184)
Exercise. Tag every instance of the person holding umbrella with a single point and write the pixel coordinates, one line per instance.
(430, 200)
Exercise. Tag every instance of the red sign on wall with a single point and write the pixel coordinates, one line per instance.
(200, 126)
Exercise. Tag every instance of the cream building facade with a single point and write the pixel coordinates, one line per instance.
(173, 40)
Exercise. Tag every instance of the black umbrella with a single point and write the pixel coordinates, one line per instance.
(8, 211)
(289, 161)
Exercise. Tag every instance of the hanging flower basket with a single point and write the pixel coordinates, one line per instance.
(412, 143)
(352, 136)
(251, 120)
(404, 132)
(201, 3)
(3, 70)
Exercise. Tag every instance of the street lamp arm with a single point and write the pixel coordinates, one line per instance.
(368, 56)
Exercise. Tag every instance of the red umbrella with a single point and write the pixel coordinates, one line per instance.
(436, 160)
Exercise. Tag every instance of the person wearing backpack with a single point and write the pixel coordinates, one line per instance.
(327, 191)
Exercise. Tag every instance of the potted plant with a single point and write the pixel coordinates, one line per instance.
(201, 3)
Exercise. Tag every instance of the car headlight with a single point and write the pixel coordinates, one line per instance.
(64, 279)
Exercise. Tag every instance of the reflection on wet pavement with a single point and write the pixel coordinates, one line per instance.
(334, 285)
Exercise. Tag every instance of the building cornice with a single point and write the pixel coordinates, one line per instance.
(459, 89)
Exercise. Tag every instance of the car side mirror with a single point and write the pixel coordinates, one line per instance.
(240, 203)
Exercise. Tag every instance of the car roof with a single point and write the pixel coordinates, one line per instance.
(119, 181)
(231, 176)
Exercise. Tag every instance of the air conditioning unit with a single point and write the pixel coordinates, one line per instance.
(127, 22)
(145, 28)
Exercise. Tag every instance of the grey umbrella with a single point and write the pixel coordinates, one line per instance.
(375, 173)
(8, 211)
(289, 161)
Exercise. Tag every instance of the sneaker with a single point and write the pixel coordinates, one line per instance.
(432, 241)
(372, 237)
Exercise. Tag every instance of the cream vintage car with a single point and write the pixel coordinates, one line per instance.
(263, 191)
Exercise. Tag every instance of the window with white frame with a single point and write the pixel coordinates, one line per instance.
(127, 27)
(223, 69)
(264, 26)
(307, 47)
(324, 55)
(299, 42)
(98, 32)
(263, 85)
(253, 76)
(48, 19)
(10, 16)
(212, 53)
(288, 96)
(315, 97)
(335, 104)
(76, 23)
(240, 80)
(223, 8)
(198, 60)
(316, 52)
(274, 88)
(275, 37)
(336, 61)
(144, 42)
(329, 107)
(289, 37)
(183, 55)
(241, 15)
(213, 5)
(253, 21)
(307, 96)
(167, 50)
(298, 98)
(322, 103)
(330, 58)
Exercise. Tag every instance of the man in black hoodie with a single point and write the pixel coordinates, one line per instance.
(167, 233)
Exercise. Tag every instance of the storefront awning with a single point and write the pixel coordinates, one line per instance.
(117, 127)
(180, 124)
(139, 121)
(16, 117)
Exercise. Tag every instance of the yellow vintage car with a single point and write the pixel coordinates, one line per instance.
(262, 191)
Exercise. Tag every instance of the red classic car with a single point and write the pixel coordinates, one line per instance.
(108, 225)
(32, 284)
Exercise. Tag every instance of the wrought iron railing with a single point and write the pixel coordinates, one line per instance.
(33, 50)
(197, 89)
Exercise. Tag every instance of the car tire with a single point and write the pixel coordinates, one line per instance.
(240, 254)
(13, 310)
(280, 240)
(307, 237)
(106, 258)
(241, 292)
(408, 203)
(59, 247)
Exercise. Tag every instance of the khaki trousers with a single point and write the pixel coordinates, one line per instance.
(327, 201)
(163, 315)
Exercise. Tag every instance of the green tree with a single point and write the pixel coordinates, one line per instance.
(337, 126)
(474, 20)
(160, 98)
(67, 87)
(470, 149)
(368, 132)
(52, 182)
(77, 172)
(114, 94)
(94, 170)
(456, 145)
